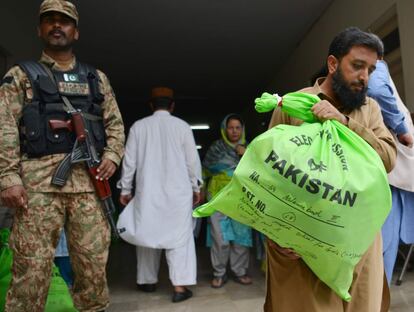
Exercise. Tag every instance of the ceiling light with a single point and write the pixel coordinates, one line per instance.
(200, 127)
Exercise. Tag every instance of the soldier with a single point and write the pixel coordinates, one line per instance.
(30, 95)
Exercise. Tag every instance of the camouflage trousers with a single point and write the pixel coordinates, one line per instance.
(35, 235)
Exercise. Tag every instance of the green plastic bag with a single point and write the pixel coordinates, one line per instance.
(6, 259)
(318, 188)
(58, 299)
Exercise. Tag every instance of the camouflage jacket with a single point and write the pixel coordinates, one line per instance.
(35, 174)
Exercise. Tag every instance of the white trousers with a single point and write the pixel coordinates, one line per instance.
(182, 264)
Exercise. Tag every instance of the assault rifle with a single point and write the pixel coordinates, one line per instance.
(83, 151)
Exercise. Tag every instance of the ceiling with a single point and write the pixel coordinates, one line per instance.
(218, 55)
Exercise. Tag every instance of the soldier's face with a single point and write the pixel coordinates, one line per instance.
(57, 31)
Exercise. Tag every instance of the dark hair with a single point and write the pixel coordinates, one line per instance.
(162, 103)
(236, 117)
(381, 44)
(353, 36)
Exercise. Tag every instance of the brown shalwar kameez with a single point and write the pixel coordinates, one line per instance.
(291, 285)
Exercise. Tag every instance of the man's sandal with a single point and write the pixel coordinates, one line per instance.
(244, 279)
(219, 281)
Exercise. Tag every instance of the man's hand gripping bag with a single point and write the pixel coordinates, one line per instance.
(317, 188)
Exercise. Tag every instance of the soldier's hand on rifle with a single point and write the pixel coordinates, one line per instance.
(14, 197)
(125, 199)
(106, 169)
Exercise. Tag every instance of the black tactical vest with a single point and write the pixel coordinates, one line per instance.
(81, 87)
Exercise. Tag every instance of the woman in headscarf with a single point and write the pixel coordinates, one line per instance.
(229, 240)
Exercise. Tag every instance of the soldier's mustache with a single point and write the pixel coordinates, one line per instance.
(57, 31)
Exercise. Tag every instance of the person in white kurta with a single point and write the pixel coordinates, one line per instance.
(162, 157)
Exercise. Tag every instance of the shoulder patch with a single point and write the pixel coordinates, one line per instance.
(6, 80)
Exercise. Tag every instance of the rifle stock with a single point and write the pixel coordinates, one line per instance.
(102, 187)
(103, 190)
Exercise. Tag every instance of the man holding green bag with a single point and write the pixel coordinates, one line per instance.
(291, 285)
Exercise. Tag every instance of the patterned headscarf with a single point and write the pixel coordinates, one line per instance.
(221, 157)
(223, 132)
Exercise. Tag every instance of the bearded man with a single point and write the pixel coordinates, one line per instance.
(291, 285)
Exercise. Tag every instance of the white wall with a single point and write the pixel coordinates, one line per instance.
(311, 53)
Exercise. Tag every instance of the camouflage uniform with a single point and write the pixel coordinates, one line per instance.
(37, 228)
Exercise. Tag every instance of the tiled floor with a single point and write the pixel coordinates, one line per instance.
(232, 297)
